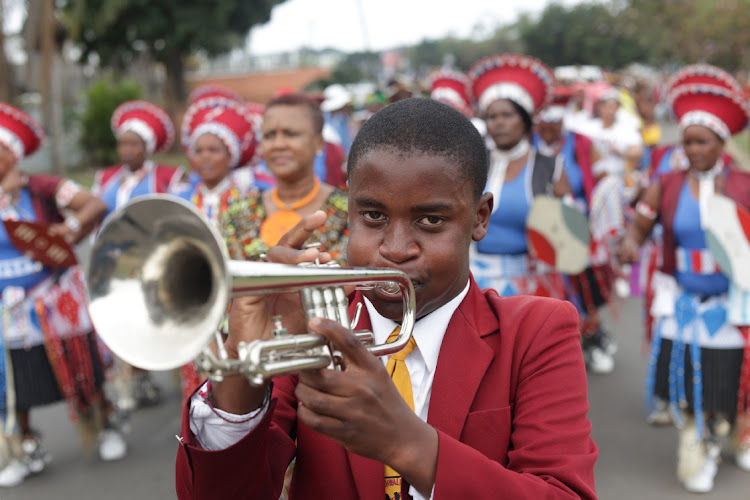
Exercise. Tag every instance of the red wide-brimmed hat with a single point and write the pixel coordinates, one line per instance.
(19, 132)
(212, 90)
(555, 111)
(720, 109)
(524, 80)
(454, 89)
(237, 124)
(703, 73)
(148, 121)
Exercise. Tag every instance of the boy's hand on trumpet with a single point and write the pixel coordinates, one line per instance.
(360, 408)
(251, 316)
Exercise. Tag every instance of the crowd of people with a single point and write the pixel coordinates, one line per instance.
(477, 187)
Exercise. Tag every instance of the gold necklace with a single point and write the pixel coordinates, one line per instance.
(278, 224)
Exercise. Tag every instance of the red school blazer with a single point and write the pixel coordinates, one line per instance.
(509, 401)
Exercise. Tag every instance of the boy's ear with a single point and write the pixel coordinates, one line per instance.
(482, 218)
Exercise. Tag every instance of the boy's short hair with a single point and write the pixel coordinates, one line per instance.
(304, 101)
(424, 126)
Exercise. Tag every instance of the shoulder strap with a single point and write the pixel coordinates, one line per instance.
(542, 179)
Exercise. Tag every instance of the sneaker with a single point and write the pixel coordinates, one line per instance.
(697, 460)
(37, 456)
(660, 415)
(112, 446)
(703, 480)
(600, 361)
(600, 339)
(13, 474)
(742, 458)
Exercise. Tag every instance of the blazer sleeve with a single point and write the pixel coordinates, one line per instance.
(551, 452)
(256, 464)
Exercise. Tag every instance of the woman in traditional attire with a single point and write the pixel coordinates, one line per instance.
(664, 159)
(510, 89)
(141, 129)
(291, 137)
(48, 350)
(699, 337)
(247, 174)
(218, 134)
(591, 289)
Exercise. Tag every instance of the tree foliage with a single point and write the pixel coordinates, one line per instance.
(102, 98)
(587, 33)
(682, 31)
(117, 30)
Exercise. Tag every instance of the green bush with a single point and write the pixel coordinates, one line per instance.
(102, 99)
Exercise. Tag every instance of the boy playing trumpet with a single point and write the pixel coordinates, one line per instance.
(494, 399)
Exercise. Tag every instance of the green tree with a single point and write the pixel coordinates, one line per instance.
(117, 30)
(102, 98)
(587, 33)
(356, 67)
(692, 31)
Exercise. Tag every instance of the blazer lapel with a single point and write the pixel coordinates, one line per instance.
(368, 473)
(463, 360)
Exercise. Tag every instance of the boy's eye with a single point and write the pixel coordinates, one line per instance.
(373, 216)
(431, 220)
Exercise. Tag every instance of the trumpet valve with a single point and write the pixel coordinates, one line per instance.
(278, 329)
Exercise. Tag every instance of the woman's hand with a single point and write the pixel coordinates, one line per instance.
(64, 230)
(13, 181)
(627, 251)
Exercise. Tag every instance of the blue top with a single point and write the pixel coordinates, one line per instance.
(109, 194)
(15, 268)
(688, 234)
(340, 123)
(506, 234)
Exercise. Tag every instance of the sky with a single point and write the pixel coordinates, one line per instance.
(355, 25)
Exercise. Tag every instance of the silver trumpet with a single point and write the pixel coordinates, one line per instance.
(160, 280)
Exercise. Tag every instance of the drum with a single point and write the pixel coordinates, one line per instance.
(558, 235)
(727, 233)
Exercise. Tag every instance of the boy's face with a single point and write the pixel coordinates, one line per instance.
(415, 214)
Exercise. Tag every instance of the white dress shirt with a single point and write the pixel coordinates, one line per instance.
(215, 433)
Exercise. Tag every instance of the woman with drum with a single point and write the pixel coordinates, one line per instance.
(51, 352)
(510, 89)
(700, 356)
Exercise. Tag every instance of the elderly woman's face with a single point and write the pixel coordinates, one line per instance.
(289, 141)
(504, 124)
(7, 160)
(702, 147)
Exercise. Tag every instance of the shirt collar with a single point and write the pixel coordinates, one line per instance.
(428, 331)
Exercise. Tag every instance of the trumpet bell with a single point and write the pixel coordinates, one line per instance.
(157, 281)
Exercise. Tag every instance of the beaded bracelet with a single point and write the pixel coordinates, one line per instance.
(252, 415)
(73, 223)
(645, 210)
